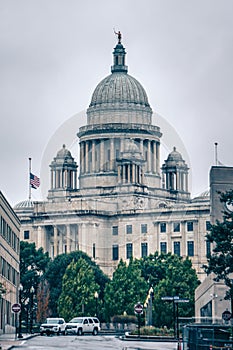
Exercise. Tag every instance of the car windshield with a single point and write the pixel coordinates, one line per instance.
(76, 320)
(52, 321)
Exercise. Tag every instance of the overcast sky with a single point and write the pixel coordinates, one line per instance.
(54, 52)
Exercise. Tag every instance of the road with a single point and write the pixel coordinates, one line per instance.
(88, 342)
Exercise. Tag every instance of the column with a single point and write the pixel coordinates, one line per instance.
(187, 185)
(119, 173)
(81, 157)
(101, 155)
(60, 243)
(39, 237)
(93, 156)
(178, 181)
(51, 179)
(57, 179)
(112, 154)
(141, 147)
(133, 173)
(123, 174)
(55, 233)
(153, 157)
(68, 238)
(128, 171)
(121, 145)
(157, 158)
(86, 157)
(75, 180)
(149, 156)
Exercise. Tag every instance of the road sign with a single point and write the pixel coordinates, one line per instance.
(226, 315)
(16, 308)
(138, 308)
(168, 298)
(182, 301)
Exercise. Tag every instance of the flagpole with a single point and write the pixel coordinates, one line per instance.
(216, 153)
(30, 188)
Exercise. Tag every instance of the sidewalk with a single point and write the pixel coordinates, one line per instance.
(9, 340)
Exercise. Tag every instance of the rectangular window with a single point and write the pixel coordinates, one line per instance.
(144, 250)
(129, 250)
(163, 247)
(176, 248)
(208, 225)
(208, 249)
(26, 234)
(190, 248)
(93, 250)
(189, 226)
(163, 227)
(129, 229)
(115, 230)
(115, 252)
(143, 228)
(176, 227)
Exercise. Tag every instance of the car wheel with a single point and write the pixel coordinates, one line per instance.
(95, 331)
(80, 331)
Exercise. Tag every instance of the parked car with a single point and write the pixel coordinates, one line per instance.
(81, 325)
(53, 325)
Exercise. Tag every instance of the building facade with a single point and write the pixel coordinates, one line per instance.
(210, 300)
(119, 201)
(9, 264)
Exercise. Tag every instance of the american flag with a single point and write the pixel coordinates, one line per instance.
(34, 181)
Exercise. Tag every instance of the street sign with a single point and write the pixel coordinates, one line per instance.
(168, 298)
(226, 315)
(16, 307)
(138, 308)
(182, 301)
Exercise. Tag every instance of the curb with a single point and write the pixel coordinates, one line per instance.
(128, 337)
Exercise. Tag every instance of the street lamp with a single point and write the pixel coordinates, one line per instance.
(32, 291)
(96, 295)
(20, 313)
(149, 305)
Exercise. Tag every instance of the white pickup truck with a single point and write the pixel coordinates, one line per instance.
(53, 325)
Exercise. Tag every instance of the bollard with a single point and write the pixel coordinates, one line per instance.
(179, 345)
(211, 347)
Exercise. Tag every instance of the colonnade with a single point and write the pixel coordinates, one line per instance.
(177, 180)
(58, 239)
(130, 173)
(100, 154)
(63, 178)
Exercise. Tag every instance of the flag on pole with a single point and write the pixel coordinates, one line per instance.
(34, 181)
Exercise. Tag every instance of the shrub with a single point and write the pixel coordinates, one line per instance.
(124, 319)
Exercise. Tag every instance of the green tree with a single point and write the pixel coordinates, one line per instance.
(220, 262)
(78, 290)
(126, 288)
(56, 270)
(179, 279)
(33, 264)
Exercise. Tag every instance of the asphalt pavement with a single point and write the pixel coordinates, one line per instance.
(9, 340)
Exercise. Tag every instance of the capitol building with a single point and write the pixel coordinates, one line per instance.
(122, 200)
